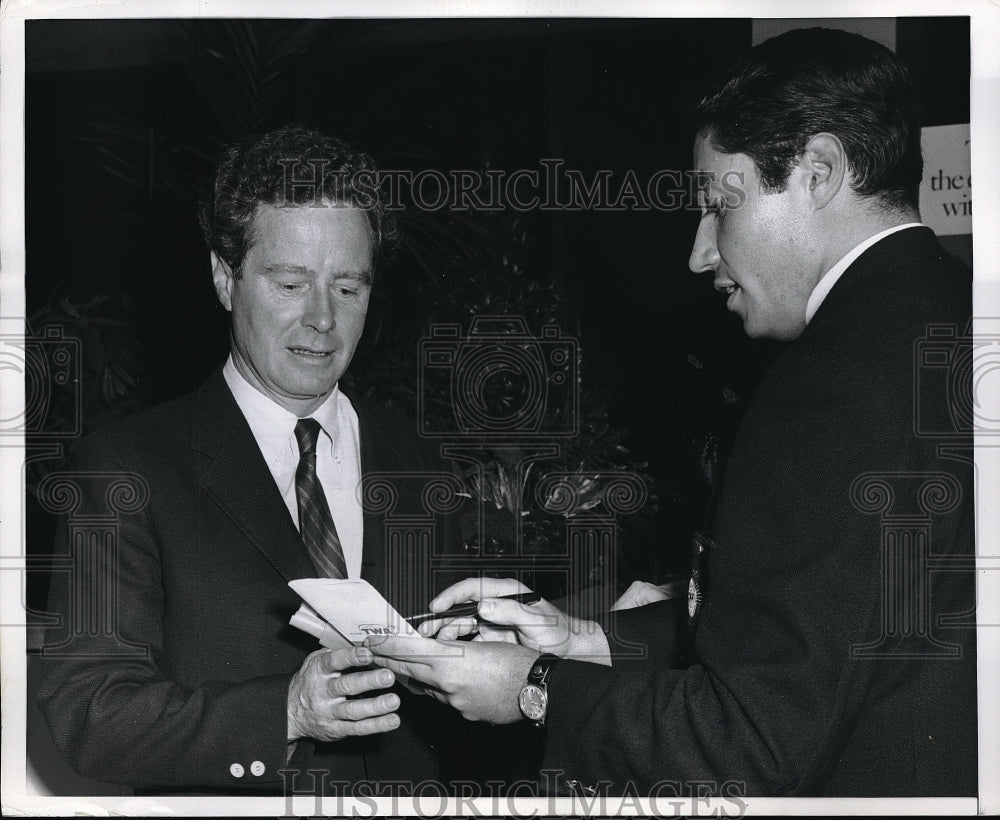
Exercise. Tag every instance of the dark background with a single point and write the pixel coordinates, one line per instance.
(124, 119)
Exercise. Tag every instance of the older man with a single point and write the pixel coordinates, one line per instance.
(200, 684)
(835, 650)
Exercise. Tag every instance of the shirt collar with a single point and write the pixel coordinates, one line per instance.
(829, 279)
(273, 426)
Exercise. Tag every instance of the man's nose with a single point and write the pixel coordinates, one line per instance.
(319, 312)
(705, 253)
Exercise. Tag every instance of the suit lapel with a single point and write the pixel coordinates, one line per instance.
(236, 477)
(379, 454)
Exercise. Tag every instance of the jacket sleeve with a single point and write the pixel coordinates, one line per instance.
(113, 710)
(780, 684)
(653, 631)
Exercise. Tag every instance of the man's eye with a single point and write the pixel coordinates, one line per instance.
(710, 205)
(290, 287)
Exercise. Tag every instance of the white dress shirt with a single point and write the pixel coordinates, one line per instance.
(829, 279)
(338, 456)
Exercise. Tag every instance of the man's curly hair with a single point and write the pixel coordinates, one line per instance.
(290, 166)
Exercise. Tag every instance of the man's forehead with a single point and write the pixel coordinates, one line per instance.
(708, 158)
(304, 219)
(309, 238)
(715, 170)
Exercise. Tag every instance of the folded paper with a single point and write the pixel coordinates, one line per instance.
(353, 608)
(308, 620)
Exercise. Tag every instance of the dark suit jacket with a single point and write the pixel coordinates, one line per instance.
(834, 525)
(189, 673)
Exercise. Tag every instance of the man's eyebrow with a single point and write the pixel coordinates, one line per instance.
(284, 267)
(364, 276)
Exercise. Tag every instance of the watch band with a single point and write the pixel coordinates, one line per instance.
(540, 669)
(533, 699)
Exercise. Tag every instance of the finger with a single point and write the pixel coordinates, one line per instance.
(627, 600)
(448, 629)
(357, 683)
(335, 660)
(525, 617)
(411, 649)
(475, 589)
(364, 708)
(650, 596)
(419, 671)
(489, 632)
(457, 629)
(368, 726)
(647, 593)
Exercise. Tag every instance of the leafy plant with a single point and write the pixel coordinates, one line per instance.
(112, 366)
(451, 267)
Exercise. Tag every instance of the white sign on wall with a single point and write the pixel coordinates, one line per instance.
(946, 189)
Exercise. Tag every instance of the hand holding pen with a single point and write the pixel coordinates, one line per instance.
(470, 608)
(504, 609)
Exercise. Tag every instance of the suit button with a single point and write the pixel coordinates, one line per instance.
(236, 770)
(256, 768)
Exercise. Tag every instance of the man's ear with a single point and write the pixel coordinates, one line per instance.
(222, 278)
(823, 168)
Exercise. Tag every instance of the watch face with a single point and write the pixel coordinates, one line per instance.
(533, 702)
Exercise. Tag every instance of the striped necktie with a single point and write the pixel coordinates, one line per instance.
(315, 521)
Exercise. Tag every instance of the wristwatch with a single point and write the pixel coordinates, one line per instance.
(534, 697)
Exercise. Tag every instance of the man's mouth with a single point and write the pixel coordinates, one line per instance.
(728, 288)
(310, 354)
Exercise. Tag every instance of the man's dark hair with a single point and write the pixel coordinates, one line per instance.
(291, 166)
(789, 88)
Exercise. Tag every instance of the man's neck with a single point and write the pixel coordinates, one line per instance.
(852, 228)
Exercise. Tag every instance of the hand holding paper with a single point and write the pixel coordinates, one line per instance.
(343, 612)
(322, 702)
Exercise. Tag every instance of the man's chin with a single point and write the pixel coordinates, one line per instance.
(311, 390)
(771, 333)
(304, 390)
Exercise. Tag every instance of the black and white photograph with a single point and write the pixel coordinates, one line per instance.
(534, 409)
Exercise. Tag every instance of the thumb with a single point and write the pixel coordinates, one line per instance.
(528, 619)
